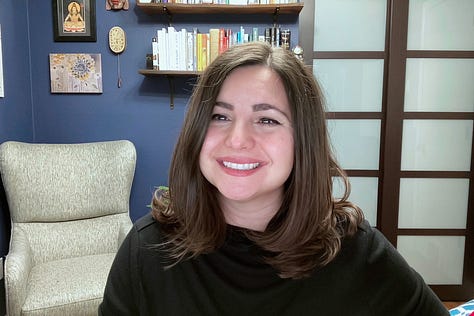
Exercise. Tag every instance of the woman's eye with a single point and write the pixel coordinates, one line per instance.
(219, 117)
(268, 121)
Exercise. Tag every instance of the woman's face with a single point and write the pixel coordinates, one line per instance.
(248, 149)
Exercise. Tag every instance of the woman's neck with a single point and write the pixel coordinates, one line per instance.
(254, 214)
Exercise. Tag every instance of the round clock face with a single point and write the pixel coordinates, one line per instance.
(117, 39)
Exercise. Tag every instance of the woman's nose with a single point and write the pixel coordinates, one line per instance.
(240, 136)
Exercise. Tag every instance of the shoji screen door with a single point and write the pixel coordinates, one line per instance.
(399, 82)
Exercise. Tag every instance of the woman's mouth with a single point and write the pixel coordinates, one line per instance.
(240, 166)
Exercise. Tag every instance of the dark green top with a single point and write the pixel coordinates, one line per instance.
(368, 277)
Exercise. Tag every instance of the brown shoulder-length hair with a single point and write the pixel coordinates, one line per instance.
(307, 231)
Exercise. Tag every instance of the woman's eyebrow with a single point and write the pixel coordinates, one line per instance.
(256, 107)
(225, 105)
(265, 107)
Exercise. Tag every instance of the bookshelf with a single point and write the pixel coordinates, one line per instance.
(171, 9)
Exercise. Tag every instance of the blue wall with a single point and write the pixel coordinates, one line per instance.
(16, 120)
(16, 108)
(138, 111)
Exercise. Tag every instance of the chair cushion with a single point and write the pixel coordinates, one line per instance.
(72, 286)
(56, 241)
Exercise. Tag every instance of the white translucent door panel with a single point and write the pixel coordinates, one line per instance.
(437, 145)
(351, 85)
(348, 25)
(439, 259)
(439, 84)
(433, 203)
(441, 25)
(356, 143)
(364, 193)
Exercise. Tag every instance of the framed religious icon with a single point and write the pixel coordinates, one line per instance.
(74, 21)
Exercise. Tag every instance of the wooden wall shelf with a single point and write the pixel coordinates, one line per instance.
(169, 74)
(173, 73)
(177, 8)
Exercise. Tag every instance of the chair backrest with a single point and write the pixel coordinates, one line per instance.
(68, 200)
(63, 182)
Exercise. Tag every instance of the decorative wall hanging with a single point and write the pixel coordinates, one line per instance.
(75, 73)
(74, 21)
(116, 4)
(117, 44)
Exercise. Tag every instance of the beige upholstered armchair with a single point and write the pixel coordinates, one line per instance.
(69, 206)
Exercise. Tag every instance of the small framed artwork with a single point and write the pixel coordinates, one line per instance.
(74, 21)
(75, 73)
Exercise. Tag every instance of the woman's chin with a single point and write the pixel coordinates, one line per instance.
(236, 194)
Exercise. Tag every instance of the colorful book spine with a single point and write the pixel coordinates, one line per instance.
(205, 50)
(199, 52)
(222, 41)
(213, 44)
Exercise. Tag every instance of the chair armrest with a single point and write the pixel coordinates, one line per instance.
(18, 265)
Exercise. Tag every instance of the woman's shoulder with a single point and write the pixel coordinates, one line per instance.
(369, 247)
(375, 241)
(145, 221)
(388, 282)
(147, 229)
(363, 237)
(368, 235)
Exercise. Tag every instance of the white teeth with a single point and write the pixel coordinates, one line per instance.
(241, 166)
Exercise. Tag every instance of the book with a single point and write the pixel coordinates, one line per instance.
(268, 35)
(241, 38)
(172, 49)
(229, 38)
(195, 56)
(190, 51)
(222, 41)
(213, 44)
(162, 49)
(182, 49)
(206, 50)
(155, 53)
(254, 34)
(199, 51)
(285, 36)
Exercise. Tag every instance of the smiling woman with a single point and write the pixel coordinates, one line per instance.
(249, 225)
(248, 151)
